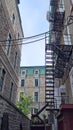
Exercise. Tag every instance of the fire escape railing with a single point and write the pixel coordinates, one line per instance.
(57, 56)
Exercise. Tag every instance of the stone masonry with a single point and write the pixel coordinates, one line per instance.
(7, 62)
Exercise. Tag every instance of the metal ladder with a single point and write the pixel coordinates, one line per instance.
(49, 74)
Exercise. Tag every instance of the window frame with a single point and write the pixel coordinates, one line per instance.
(23, 75)
(2, 79)
(35, 110)
(22, 82)
(20, 96)
(36, 82)
(8, 45)
(36, 74)
(36, 96)
(13, 18)
(11, 90)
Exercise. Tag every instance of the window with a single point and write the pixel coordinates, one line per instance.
(2, 79)
(15, 60)
(13, 18)
(36, 73)
(35, 110)
(21, 128)
(36, 82)
(18, 35)
(63, 98)
(11, 87)
(36, 96)
(5, 121)
(8, 44)
(22, 83)
(23, 73)
(21, 93)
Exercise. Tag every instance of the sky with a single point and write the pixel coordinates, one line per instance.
(33, 17)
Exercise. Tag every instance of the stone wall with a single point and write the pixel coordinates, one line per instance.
(11, 118)
(7, 61)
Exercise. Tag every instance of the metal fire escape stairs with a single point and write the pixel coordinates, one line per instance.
(56, 17)
(49, 75)
(57, 57)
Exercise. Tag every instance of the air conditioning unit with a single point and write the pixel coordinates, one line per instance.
(50, 17)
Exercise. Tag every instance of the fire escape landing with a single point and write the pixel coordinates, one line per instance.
(57, 55)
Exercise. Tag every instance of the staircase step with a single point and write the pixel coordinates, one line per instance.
(49, 94)
(49, 76)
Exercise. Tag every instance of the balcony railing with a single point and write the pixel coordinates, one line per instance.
(53, 2)
(58, 100)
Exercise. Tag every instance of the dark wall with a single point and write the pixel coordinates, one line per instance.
(65, 118)
(40, 127)
(11, 118)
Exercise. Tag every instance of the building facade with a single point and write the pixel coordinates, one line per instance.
(10, 51)
(32, 82)
(68, 40)
(10, 54)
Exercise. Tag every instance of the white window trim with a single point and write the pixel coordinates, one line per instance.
(36, 75)
(38, 82)
(24, 83)
(24, 74)
(34, 97)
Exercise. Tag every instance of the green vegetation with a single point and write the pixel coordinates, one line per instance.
(24, 104)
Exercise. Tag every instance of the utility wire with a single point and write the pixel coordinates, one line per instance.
(26, 42)
(27, 38)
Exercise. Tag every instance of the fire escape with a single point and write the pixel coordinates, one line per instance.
(49, 75)
(57, 55)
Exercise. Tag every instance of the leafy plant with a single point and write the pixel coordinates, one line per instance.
(24, 104)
